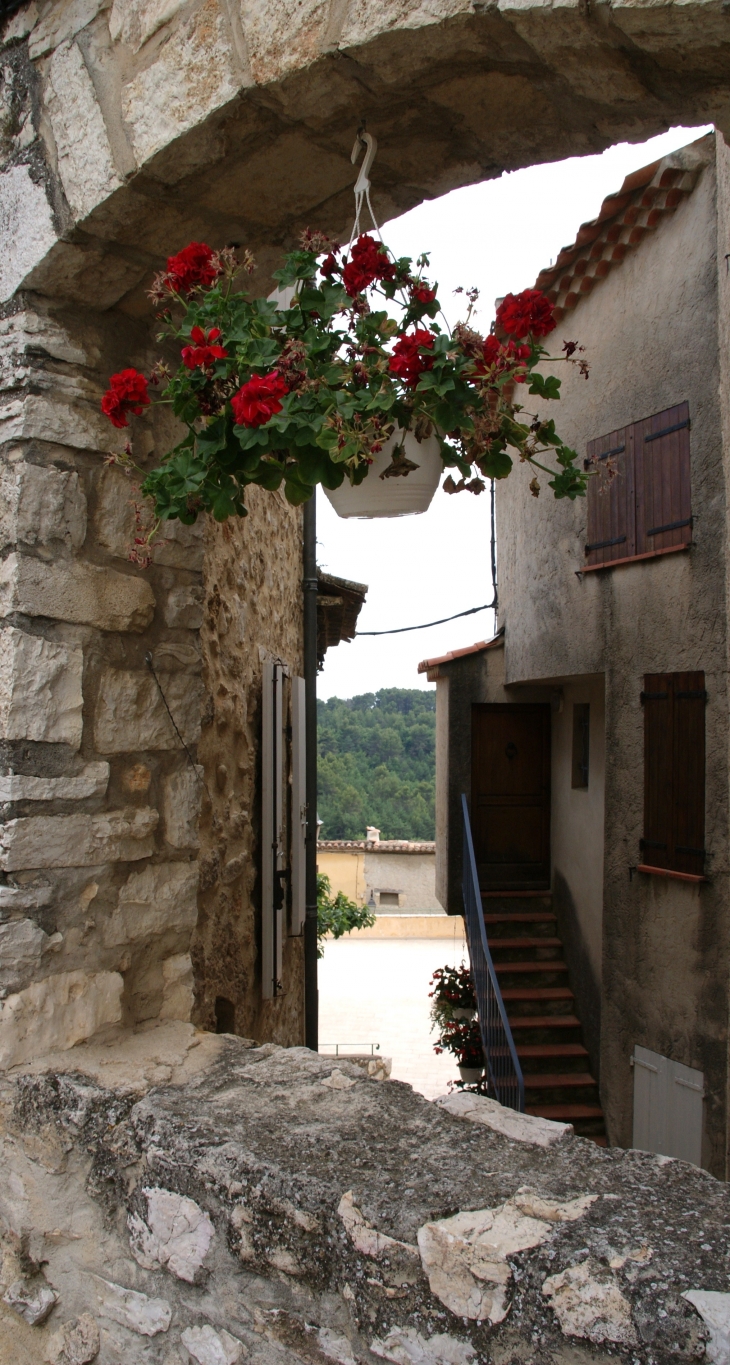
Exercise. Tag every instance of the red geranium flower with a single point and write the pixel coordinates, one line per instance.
(202, 353)
(503, 355)
(127, 393)
(196, 264)
(258, 400)
(329, 264)
(422, 294)
(528, 312)
(406, 361)
(368, 261)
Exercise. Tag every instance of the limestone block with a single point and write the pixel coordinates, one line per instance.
(25, 333)
(209, 1347)
(365, 1238)
(41, 507)
(131, 1309)
(282, 35)
(671, 29)
(85, 164)
(93, 780)
(53, 417)
(134, 21)
(518, 1127)
(195, 73)
(62, 21)
(178, 996)
(367, 19)
(21, 949)
(40, 689)
(181, 796)
(588, 1303)
(466, 1257)
(175, 1234)
(406, 1346)
(176, 545)
(161, 897)
(714, 1309)
(77, 1342)
(32, 1299)
(21, 23)
(76, 592)
(131, 715)
(184, 607)
(26, 227)
(56, 1013)
(33, 897)
(77, 840)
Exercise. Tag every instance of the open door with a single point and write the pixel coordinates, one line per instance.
(510, 795)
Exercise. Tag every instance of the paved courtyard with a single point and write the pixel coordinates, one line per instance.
(376, 991)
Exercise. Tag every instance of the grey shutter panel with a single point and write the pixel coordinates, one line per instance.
(667, 1106)
(299, 808)
(273, 852)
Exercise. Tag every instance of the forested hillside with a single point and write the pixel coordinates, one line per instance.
(377, 764)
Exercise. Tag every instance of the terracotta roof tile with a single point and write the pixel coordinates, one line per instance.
(624, 218)
(430, 666)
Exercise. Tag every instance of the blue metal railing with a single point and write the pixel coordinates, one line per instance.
(504, 1073)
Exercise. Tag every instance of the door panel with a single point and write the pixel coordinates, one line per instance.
(510, 799)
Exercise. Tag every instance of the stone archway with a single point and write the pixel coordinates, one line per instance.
(127, 130)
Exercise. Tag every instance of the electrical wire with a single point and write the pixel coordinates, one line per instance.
(427, 625)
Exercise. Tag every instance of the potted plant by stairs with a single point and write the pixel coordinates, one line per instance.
(454, 1014)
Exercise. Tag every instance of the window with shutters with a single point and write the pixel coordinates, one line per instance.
(639, 502)
(674, 773)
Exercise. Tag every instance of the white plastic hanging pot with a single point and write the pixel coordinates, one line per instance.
(393, 497)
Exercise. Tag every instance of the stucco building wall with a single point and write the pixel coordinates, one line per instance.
(364, 869)
(649, 956)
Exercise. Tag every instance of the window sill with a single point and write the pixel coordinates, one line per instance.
(634, 559)
(668, 872)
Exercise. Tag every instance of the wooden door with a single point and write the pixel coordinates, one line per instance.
(510, 795)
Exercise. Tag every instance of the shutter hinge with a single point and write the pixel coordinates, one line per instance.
(653, 696)
(700, 695)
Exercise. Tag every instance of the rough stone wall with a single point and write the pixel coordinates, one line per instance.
(155, 123)
(100, 803)
(98, 895)
(253, 610)
(178, 1197)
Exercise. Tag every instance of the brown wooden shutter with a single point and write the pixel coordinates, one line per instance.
(674, 772)
(663, 502)
(611, 533)
(658, 765)
(689, 773)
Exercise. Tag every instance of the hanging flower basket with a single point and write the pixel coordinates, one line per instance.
(345, 378)
(381, 494)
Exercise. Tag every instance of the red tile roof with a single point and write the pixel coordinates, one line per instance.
(430, 666)
(645, 198)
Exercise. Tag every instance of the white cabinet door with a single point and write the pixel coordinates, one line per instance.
(667, 1106)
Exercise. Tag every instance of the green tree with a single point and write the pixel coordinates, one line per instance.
(336, 915)
(377, 764)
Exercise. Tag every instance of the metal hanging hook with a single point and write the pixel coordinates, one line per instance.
(362, 184)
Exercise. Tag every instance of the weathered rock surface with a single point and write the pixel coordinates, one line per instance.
(40, 689)
(240, 1209)
(77, 592)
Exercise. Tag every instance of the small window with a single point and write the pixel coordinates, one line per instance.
(581, 743)
(639, 503)
(674, 772)
(389, 898)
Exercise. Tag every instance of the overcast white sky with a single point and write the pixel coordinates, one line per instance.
(498, 236)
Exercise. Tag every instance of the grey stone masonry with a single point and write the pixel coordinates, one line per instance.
(98, 896)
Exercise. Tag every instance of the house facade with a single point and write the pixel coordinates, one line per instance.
(591, 735)
(390, 876)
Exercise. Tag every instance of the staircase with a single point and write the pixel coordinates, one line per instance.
(533, 978)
